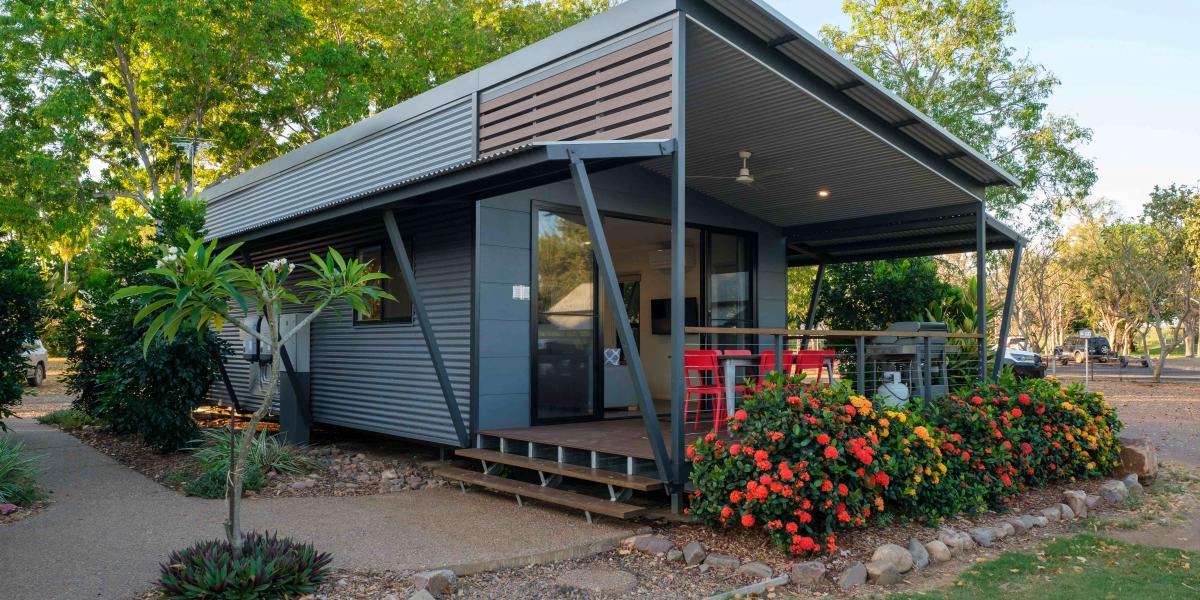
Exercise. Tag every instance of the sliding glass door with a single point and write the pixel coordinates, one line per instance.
(565, 356)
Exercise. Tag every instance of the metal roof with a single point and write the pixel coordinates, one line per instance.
(791, 41)
(927, 232)
(517, 168)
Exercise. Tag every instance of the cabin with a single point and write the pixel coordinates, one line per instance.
(565, 225)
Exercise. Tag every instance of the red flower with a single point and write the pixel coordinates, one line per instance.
(691, 451)
(842, 489)
(747, 520)
(1023, 399)
(882, 478)
(826, 485)
(791, 527)
(976, 400)
(1016, 412)
(726, 512)
(806, 544)
(735, 449)
(735, 496)
(761, 456)
(831, 452)
(823, 439)
(740, 415)
(775, 436)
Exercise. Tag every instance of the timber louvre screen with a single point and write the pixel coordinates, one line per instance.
(625, 94)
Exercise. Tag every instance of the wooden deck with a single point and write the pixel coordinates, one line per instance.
(621, 437)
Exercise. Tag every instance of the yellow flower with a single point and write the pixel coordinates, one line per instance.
(917, 479)
(901, 417)
(1091, 465)
(942, 467)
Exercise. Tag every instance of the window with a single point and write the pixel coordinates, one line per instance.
(380, 257)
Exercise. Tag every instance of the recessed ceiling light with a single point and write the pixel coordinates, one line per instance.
(822, 193)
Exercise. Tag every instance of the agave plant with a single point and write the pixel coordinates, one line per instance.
(261, 566)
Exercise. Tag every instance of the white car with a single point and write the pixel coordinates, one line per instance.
(1024, 363)
(36, 358)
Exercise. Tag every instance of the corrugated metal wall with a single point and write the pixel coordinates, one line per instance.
(378, 377)
(437, 139)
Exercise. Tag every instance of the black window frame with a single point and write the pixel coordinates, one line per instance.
(385, 249)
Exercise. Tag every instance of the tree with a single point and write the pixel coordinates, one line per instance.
(1043, 290)
(21, 295)
(873, 295)
(199, 286)
(951, 59)
(1175, 211)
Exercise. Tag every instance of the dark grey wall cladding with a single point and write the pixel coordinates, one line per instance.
(378, 377)
(437, 139)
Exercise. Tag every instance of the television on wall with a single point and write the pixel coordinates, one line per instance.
(660, 314)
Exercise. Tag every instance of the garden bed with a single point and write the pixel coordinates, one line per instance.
(342, 464)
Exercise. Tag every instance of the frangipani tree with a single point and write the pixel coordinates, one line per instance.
(201, 284)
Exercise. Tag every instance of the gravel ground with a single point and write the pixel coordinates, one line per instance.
(50, 397)
(1167, 413)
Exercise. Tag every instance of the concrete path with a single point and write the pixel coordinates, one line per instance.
(109, 527)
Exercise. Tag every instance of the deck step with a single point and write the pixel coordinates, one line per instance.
(582, 502)
(613, 478)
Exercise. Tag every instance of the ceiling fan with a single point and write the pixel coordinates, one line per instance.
(744, 176)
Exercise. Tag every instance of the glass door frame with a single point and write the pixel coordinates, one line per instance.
(538, 206)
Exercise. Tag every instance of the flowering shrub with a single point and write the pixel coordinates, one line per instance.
(807, 460)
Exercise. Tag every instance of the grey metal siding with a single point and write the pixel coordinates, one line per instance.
(437, 139)
(379, 377)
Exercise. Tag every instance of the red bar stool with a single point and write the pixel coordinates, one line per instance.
(766, 363)
(702, 373)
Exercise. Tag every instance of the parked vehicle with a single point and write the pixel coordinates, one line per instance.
(1024, 364)
(36, 358)
(1097, 349)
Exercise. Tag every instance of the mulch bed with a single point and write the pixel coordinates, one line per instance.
(343, 464)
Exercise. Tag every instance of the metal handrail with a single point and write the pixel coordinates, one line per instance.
(826, 332)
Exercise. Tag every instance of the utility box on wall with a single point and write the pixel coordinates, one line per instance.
(294, 409)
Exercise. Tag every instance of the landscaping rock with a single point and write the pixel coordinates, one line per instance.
(1054, 513)
(614, 582)
(984, 536)
(755, 569)
(807, 573)
(1018, 526)
(1066, 511)
(693, 553)
(938, 552)
(388, 475)
(1114, 491)
(722, 562)
(1030, 521)
(919, 554)
(7, 509)
(1042, 521)
(896, 555)
(415, 482)
(674, 555)
(754, 590)
(440, 582)
(1133, 485)
(1092, 501)
(854, 575)
(1077, 500)
(957, 542)
(422, 595)
(703, 568)
(299, 485)
(1139, 457)
(654, 545)
(1005, 529)
(882, 572)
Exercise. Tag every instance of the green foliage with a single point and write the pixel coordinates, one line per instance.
(263, 566)
(953, 60)
(873, 295)
(211, 483)
(21, 295)
(17, 473)
(68, 419)
(812, 460)
(267, 452)
(151, 393)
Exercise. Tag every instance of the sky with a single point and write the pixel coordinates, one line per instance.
(1130, 71)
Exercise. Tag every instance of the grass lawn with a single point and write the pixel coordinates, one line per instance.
(1083, 567)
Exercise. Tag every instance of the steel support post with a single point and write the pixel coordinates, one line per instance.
(1014, 270)
(612, 290)
(431, 343)
(981, 288)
